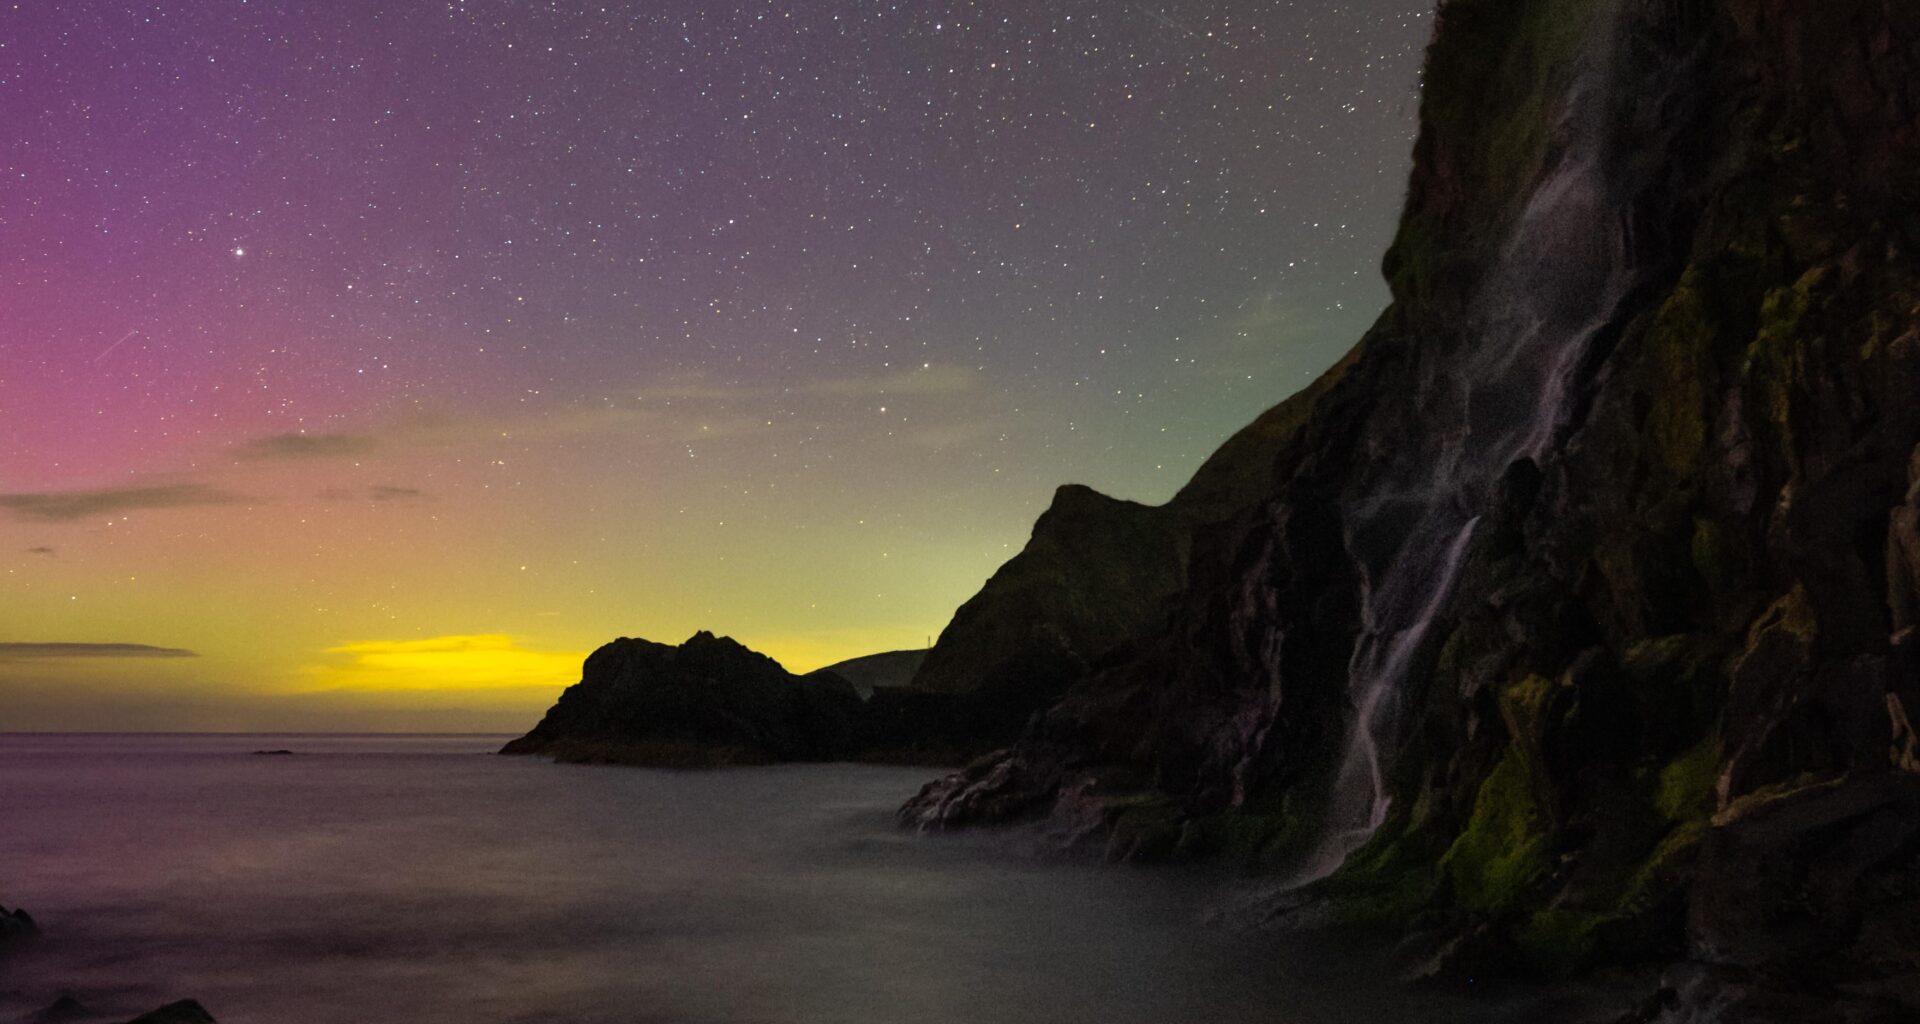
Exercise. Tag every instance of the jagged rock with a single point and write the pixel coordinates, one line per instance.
(1097, 569)
(1093, 570)
(186, 1011)
(1791, 880)
(711, 701)
(16, 926)
(1608, 527)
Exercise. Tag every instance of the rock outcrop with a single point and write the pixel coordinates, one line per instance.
(1574, 620)
(186, 1011)
(1098, 570)
(709, 701)
(712, 702)
(16, 926)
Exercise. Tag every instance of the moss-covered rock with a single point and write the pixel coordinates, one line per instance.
(1702, 584)
(1502, 852)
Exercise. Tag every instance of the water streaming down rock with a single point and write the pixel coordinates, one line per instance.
(1358, 802)
(1557, 285)
(1656, 322)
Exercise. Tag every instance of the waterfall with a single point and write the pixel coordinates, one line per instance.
(1358, 799)
(1553, 288)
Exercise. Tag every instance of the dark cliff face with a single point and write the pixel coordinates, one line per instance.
(1097, 571)
(1589, 581)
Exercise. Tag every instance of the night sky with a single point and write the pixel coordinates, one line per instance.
(371, 362)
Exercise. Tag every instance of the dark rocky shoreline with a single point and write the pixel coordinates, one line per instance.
(18, 927)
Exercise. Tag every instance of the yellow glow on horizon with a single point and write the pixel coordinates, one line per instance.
(484, 661)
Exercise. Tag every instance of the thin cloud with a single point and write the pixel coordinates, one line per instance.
(681, 410)
(927, 380)
(306, 446)
(14, 651)
(41, 550)
(932, 380)
(68, 506)
(390, 492)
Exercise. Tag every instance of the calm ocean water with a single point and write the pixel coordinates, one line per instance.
(414, 879)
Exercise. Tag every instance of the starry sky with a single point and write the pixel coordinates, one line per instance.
(364, 364)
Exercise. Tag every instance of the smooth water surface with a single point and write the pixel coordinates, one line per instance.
(383, 878)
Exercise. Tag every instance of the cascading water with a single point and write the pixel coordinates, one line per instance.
(1558, 280)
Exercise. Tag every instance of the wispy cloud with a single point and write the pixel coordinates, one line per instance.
(68, 506)
(41, 549)
(929, 380)
(481, 661)
(13, 651)
(377, 492)
(684, 409)
(306, 446)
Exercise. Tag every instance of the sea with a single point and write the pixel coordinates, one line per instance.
(376, 878)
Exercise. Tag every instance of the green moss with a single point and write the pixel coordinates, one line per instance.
(1389, 880)
(1684, 791)
(1659, 873)
(1447, 665)
(1678, 347)
(1628, 924)
(1713, 555)
(1503, 851)
(1783, 309)
(1791, 613)
(1779, 356)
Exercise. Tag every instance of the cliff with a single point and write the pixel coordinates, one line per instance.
(1572, 620)
(1098, 570)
